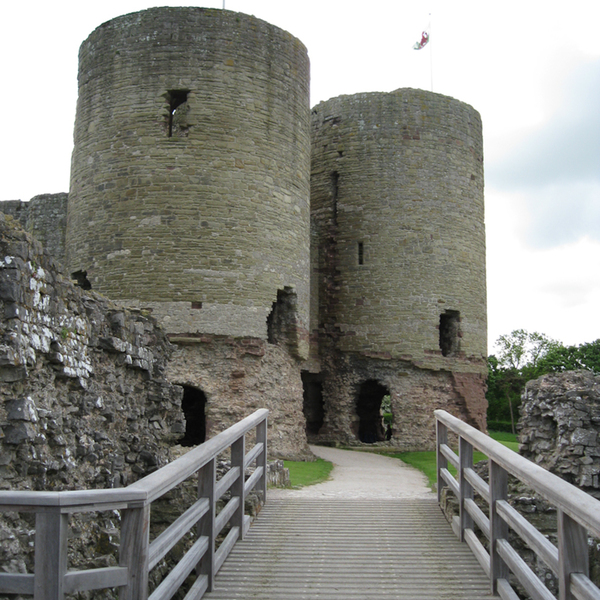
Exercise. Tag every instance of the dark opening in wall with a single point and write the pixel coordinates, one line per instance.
(177, 115)
(335, 188)
(450, 332)
(81, 280)
(371, 427)
(281, 322)
(312, 406)
(194, 410)
(361, 253)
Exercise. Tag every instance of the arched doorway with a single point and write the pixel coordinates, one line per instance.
(194, 410)
(312, 405)
(368, 408)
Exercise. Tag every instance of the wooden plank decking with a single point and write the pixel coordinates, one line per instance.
(300, 549)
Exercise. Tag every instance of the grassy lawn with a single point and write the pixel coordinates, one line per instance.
(425, 461)
(308, 473)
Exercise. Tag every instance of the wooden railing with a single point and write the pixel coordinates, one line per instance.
(578, 514)
(53, 579)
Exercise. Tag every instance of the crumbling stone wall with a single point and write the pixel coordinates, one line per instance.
(238, 376)
(414, 393)
(84, 401)
(559, 427)
(44, 217)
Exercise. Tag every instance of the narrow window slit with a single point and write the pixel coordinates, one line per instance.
(361, 253)
(175, 99)
(335, 185)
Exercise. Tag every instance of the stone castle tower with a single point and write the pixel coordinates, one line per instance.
(315, 291)
(399, 261)
(190, 174)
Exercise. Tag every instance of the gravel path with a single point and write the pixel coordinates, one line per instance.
(362, 475)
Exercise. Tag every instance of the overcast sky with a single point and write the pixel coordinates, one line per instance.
(532, 71)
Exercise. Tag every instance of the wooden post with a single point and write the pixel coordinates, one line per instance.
(51, 528)
(261, 437)
(498, 528)
(572, 553)
(206, 526)
(238, 455)
(465, 454)
(442, 461)
(133, 552)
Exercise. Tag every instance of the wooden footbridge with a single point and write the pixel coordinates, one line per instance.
(318, 549)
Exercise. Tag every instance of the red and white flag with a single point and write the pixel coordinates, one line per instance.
(423, 42)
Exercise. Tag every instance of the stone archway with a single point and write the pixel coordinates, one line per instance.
(368, 409)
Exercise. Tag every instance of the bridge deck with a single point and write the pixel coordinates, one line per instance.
(350, 549)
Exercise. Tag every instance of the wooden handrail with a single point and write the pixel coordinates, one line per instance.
(575, 502)
(80, 499)
(578, 514)
(158, 483)
(52, 579)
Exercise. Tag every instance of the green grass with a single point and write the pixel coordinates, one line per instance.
(308, 473)
(503, 436)
(425, 461)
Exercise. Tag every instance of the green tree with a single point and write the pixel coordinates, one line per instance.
(520, 358)
(523, 356)
(570, 358)
(521, 349)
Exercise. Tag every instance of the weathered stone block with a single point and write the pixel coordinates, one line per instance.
(557, 428)
(22, 409)
(15, 433)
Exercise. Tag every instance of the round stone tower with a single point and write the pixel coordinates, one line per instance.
(398, 217)
(190, 175)
(189, 198)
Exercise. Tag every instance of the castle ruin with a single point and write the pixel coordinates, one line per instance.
(312, 262)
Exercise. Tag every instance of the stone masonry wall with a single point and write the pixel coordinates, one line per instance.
(44, 217)
(84, 402)
(414, 394)
(559, 427)
(239, 376)
(397, 204)
(190, 175)
(83, 397)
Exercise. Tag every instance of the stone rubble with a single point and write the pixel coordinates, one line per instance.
(560, 425)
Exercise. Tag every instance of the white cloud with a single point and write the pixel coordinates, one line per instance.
(554, 290)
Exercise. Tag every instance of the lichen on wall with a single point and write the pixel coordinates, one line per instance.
(84, 401)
